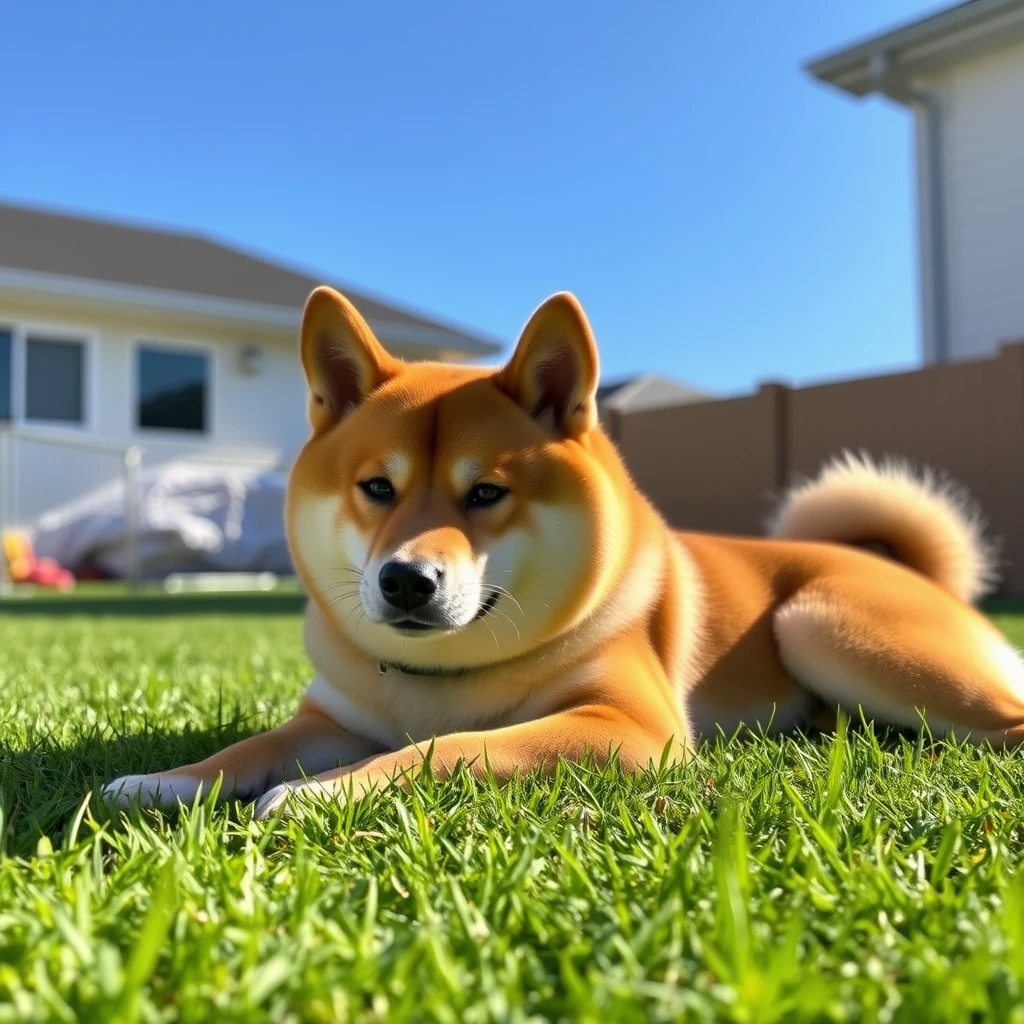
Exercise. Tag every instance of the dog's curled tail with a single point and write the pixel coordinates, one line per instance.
(928, 524)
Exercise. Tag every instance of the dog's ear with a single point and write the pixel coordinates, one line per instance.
(342, 358)
(554, 371)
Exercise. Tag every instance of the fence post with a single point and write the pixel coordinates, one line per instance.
(132, 462)
(778, 394)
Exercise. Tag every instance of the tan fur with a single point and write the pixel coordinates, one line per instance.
(930, 524)
(562, 617)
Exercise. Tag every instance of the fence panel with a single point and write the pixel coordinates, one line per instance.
(718, 465)
(965, 420)
(707, 465)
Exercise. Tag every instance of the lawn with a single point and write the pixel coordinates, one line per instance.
(851, 877)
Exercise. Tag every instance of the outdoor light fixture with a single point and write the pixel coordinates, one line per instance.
(250, 360)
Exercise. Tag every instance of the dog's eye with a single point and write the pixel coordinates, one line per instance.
(485, 495)
(378, 489)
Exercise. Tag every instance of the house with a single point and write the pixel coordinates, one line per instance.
(115, 335)
(646, 391)
(961, 74)
(624, 395)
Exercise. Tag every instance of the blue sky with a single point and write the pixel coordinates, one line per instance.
(723, 217)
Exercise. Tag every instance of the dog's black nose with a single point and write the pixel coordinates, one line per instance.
(407, 585)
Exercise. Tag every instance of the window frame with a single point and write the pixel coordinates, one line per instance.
(8, 327)
(22, 331)
(178, 346)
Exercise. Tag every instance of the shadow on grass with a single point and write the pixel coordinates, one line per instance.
(120, 602)
(127, 605)
(43, 786)
(1002, 606)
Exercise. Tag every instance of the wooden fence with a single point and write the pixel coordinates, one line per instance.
(719, 465)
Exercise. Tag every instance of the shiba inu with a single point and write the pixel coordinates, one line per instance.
(487, 583)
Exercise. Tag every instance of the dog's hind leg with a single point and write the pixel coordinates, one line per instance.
(903, 654)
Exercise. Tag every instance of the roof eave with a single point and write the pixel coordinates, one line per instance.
(924, 45)
(621, 398)
(251, 315)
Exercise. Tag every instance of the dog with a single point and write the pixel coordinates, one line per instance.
(488, 586)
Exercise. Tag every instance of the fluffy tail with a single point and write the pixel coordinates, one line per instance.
(928, 524)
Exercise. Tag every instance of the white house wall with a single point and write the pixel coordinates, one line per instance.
(253, 420)
(259, 418)
(983, 167)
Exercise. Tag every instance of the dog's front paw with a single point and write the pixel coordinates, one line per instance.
(274, 799)
(155, 790)
(288, 793)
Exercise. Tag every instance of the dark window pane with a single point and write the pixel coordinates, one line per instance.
(54, 382)
(172, 390)
(5, 374)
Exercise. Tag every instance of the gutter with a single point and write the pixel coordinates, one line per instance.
(891, 84)
(236, 312)
(929, 43)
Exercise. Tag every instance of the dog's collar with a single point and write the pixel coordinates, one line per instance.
(414, 670)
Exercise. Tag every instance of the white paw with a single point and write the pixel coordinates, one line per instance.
(152, 790)
(289, 792)
(273, 799)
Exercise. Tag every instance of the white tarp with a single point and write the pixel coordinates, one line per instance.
(192, 518)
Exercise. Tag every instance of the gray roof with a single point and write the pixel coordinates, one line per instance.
(646, 391)
(924, 45)
(81, 247)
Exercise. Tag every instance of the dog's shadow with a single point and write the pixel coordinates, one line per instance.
(43, 787)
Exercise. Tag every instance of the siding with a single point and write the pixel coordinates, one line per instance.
(983, 145)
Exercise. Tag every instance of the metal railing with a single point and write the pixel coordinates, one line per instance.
(132, 458)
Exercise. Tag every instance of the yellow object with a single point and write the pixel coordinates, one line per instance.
(19, 554)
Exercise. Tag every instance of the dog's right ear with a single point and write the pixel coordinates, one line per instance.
(342, 358)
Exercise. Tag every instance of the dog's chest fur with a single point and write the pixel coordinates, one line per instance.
(392, 707)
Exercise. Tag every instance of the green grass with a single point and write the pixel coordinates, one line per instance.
(849, 877)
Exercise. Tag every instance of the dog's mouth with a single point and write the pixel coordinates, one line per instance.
(409, 625)
(412, 626)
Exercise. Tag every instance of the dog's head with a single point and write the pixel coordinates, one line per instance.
(449, 516)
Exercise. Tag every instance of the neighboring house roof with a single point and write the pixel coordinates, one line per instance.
(646, 391)
(922, 46)
(154, 267)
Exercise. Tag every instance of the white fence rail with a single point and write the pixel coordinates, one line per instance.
(128, 460)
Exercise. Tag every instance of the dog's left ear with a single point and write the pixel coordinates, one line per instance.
(554, 371)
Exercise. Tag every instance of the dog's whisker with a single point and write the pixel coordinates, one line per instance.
(351, 612)
(339, 598)
(506, 593)
(497, 611)
(336, 596)
(497, 649)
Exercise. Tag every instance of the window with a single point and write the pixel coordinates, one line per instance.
(6, 357)
(44, 376)
(54, 380)
(172, 389)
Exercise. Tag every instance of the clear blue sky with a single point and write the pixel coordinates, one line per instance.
(723, 217)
